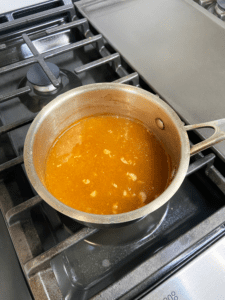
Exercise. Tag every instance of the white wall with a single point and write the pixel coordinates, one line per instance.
(8, 5)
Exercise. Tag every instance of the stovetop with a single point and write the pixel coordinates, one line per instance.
(59, 257)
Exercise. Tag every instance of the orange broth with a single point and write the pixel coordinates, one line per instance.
(107, 165)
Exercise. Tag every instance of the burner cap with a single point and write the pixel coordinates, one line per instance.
(221, 4)
(37, 76)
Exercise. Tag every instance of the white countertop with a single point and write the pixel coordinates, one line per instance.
(9, 5)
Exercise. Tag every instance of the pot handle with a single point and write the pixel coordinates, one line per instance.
(218, 136)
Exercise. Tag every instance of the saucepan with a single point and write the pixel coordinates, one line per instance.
(117, 99)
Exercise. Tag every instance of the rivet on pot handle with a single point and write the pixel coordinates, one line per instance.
(218, 136)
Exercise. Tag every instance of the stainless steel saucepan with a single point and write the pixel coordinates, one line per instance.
(117, 99)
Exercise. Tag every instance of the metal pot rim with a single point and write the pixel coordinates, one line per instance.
(106, 219)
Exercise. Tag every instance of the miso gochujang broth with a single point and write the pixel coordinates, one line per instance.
(107, 165)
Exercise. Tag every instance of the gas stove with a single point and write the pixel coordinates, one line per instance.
(46, 50)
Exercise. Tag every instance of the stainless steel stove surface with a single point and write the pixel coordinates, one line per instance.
(47, 50)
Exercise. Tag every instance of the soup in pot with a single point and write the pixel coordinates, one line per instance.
(107, 165)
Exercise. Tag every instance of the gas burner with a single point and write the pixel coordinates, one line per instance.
(40, 81)
(221, 4)
(42, 90)
(220, 9)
